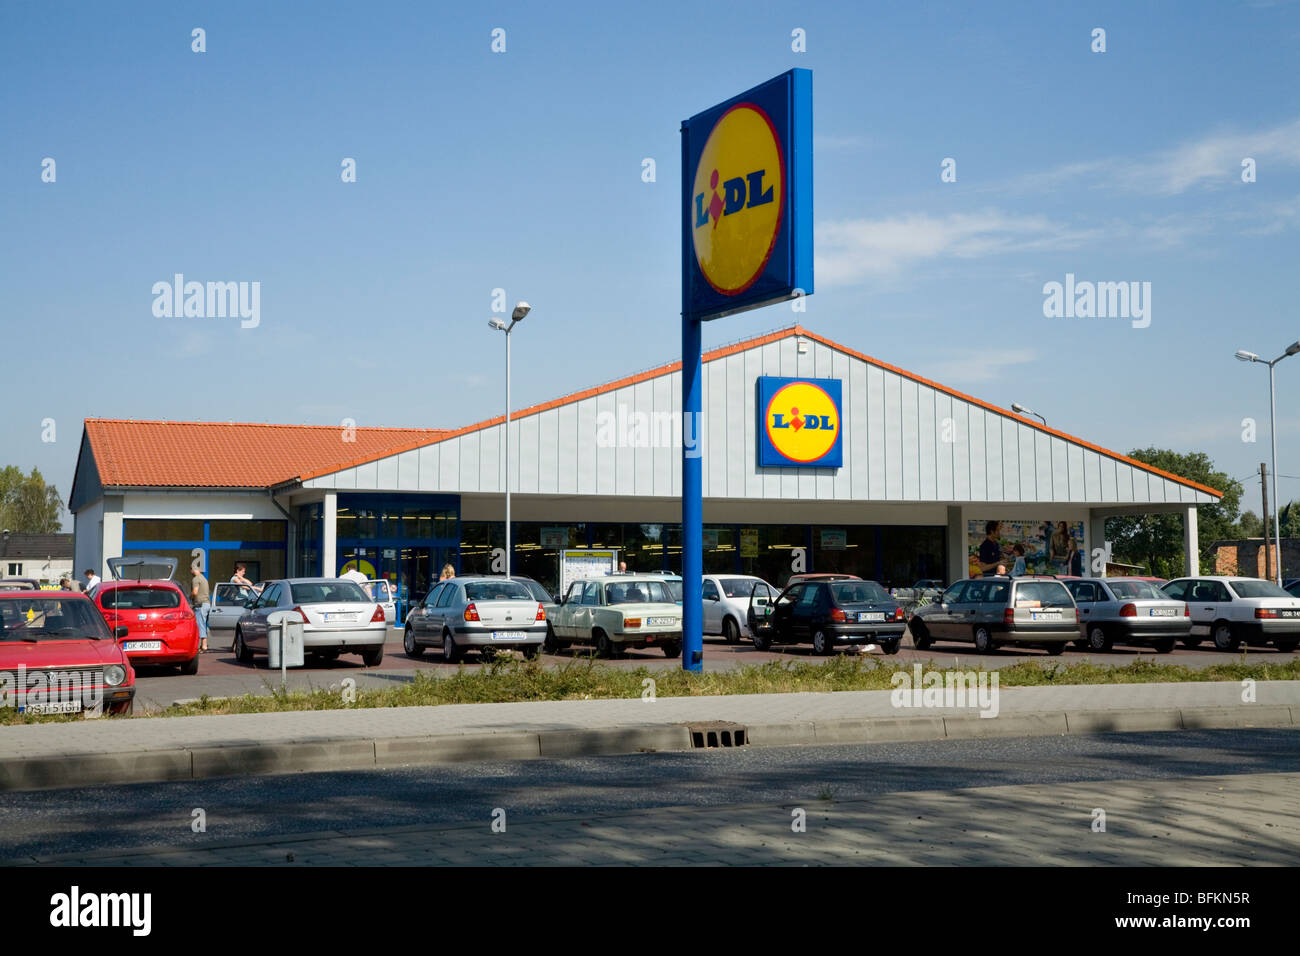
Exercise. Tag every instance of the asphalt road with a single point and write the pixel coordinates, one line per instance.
(160, 815)
(221, 675)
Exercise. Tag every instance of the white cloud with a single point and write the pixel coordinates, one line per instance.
(853, 249)
(979, 366)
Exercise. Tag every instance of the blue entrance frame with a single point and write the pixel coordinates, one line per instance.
(207, 543)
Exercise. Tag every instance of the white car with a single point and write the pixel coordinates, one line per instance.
(726, 604)
(1235, 610)
(339, 617)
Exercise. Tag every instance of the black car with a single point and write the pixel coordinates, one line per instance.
(826, 613)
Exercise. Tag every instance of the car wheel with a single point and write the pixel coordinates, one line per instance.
(1191, 642)
(243, 653)
(1286, 647)
(191, 667)
(762, 641)
(604, 646)
(531, 651)
(371, 656)
(730, 631)
(984, 642)
(1056, 649)
(1224, 639)
(1098, 639)
(891, 647)
(673, 649)
(1164, 645)
(823, 643)
(551, 645)
(921, 638)
(408, 644)
(450, 652)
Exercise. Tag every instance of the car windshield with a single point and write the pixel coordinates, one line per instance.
(328, 592)
(639, 592)
(142, 599)
(858, 592)
(1046, 593)
(497, 591)
(51, 619)
(537, 591)
(1137, 590)
(1249, 588)
(737, 587)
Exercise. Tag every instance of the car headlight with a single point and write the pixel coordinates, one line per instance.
(114, 674)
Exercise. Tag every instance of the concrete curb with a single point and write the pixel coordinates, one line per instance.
(236, 760)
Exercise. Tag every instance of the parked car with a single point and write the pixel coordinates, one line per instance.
(161, 627)
(19, 584)
(617, 612)
(543, 596)
(483, 612)
(226, 606)
(726, 604)
(828, 576)
(825, 613)
(1127, 611)
(338, 618)
(72, 661)
(990, 611)
(1235, 611)
(382, 593)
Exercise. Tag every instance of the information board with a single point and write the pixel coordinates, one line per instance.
(581, 563)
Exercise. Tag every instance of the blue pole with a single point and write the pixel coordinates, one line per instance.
(692, 500)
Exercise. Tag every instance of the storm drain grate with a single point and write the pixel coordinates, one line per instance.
(720, 734)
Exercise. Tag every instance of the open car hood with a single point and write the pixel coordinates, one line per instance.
(142, 567)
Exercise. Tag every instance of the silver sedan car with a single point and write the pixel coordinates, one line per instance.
(338, 618)
(1118, 611)
(485, 613)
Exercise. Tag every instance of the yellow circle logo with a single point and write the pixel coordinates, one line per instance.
(802, 422)
(739, 197)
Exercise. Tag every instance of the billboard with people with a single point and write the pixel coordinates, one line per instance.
(1025, 547)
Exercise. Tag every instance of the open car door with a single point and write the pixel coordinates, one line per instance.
(759, 615)
(142, 567)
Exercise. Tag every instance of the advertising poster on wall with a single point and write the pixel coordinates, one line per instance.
(1025, 547)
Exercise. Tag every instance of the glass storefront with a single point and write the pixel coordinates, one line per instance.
(260, 545)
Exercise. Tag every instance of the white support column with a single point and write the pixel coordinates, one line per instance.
(111, 538)
(329, 536)
(1096, 539)
(958, 566)
(1191, 544)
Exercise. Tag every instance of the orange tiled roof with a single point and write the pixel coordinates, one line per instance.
(231, 454)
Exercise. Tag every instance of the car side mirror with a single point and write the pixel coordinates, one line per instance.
(557, 599)
(121, 631)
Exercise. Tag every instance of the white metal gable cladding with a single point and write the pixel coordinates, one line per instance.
(894, 431)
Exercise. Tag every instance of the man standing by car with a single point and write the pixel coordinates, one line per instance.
(199, 600)
(355, 575)
(92, 582)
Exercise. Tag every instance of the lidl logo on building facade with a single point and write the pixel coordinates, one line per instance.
(737, 208)
(747, 199)
(799, 422)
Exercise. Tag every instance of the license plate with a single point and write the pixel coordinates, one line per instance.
(661, 621)
(340, 617)
(142, 645)
(508, 635)
(1292, 613)
(1045, 615)
(871, 616)
(57, 707)
(1163, 611)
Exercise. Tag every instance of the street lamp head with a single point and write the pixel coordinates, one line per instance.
(521, 309)
(1247, 356)
(497, 324)
(1018, 408)
(1293, 348)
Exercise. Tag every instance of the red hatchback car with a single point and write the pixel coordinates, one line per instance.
(57, 656)
(160, 626)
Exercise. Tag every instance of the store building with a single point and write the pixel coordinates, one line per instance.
(897, 478)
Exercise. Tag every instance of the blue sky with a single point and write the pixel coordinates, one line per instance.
(522, 170)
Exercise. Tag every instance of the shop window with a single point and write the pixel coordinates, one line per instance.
(161, 529)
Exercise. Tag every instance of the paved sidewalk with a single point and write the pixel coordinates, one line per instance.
(1187, 821)
(115, 751)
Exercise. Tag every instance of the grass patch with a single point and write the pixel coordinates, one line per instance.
(509, 679)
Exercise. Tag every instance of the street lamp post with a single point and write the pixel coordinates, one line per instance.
(1021, 410)
(1245, 356)
(521, 310)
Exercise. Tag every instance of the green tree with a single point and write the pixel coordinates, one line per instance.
(27, 504)
(1251, 525)
(1156, 540)
(1289, 520)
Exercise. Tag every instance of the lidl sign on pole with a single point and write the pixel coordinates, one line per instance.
(747, 198)
(746, 242)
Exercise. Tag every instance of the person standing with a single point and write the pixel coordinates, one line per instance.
(92, 582)
(447, 572)
(355, 576)
(1019, 567)
(199, 599)
(238, 577)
